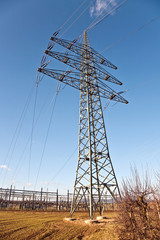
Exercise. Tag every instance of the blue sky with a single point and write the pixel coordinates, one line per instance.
(133, 130)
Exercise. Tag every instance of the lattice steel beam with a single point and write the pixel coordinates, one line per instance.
(77, 47)
(75, 62)
(68, 78)
(95, 172)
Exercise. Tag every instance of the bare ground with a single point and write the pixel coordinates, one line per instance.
(50, 225)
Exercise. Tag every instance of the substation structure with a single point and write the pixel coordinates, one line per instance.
(95, 176)
(16, 199)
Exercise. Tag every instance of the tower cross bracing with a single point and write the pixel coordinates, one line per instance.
(95, 173)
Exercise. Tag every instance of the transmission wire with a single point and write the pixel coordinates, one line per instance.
(74, 13)
(17, 132)
(131, 33)
(30, 152)
(92, 26)
(18, 124)
(106, 15)
(63, 88)
(71, 23)
(27, 142)
(65, 163)
(79, 16)
(100, 15)
(45, 142)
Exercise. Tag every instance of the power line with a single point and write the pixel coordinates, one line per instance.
(45, 142)
(17, 133)
(130, 89)
(105, 15)
(65, 163)
(29, 138)
(19, 124)
(30, 153)
(70, 157)
(98, 16)
(131, 33)
(74, 12)
(79, 16)
(69, 26)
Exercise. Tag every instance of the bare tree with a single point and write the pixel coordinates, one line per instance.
(139, 209)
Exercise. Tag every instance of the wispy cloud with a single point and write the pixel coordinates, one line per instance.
(28, 184)
(5, 167)
(102, 6)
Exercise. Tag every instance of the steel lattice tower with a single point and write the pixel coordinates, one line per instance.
(95, 173)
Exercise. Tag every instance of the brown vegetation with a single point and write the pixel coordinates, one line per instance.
(138, 218)
(50, 225)
(139, 215)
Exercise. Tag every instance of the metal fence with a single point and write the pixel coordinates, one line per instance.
(16, 199)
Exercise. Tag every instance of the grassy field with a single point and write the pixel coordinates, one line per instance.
(50, 225)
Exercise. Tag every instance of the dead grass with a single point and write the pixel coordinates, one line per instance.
(50, 225)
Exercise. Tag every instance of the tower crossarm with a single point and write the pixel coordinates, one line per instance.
(62, 76)
(65, 77)
(75, 62)
(77, 48)
(110, 94)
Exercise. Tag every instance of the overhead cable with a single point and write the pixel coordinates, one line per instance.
(46, 138)
(106, 15)
(131, 33)
(65, 163)
(74, 13)
(42, 109)
(100, 15)
(31, 142)
(16, 134)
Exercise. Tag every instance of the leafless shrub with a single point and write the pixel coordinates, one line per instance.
(139, 209)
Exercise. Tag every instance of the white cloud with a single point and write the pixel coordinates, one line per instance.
(102, 6)
(29, 184)
(5, 167)
(92, 11)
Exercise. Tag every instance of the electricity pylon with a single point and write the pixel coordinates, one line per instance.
(95, 173)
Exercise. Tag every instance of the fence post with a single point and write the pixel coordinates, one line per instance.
(6, 195)
(112, 204)
(47, 199)
(10, 192)
(13, 194)
(33, 202)
(57, 200)
(67, 199)
(41, 198)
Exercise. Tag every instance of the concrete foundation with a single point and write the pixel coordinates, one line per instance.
(90, 221)
(101, 218)
(69, 219)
